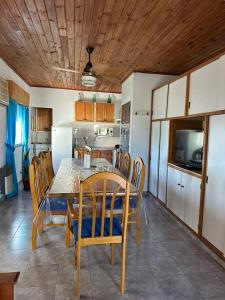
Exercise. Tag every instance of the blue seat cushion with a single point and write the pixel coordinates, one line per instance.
(118, 203)
(86, 229)
(55, 204)
(58, 204)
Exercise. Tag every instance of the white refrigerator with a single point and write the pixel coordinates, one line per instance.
(61, 145)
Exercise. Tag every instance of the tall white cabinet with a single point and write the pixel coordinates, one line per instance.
(163, 160)
(214, 207)
(159, 159)
(154, 162)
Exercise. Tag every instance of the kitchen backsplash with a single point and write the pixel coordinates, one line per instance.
(88, 136)
(40, 137)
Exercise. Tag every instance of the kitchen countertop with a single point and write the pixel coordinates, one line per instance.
(98, 148)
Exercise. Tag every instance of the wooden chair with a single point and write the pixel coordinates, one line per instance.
(49, 166)
(99, 229)
(124, 166)
(36, 184)
(52, 207)
(118, 159)
(138, 179)
(44, 170)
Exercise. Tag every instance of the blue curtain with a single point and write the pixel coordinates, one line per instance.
(25, 137)
(10, 143)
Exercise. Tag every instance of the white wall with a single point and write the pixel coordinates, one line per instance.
(7, 73)
(127, 89)
(138, 89)
(62, 102)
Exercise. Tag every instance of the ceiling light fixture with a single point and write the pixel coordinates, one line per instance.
(88, 79)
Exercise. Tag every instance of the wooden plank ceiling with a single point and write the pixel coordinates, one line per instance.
(159, 36)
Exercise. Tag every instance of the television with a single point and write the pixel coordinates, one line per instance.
(189, 148)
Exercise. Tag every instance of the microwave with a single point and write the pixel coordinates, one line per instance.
(105, 131)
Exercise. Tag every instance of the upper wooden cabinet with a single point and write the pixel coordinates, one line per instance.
(18, 94)
(177, 98)
(105, 112)
(204, 89)
(43, 119)
(84, 111)
(159, 104)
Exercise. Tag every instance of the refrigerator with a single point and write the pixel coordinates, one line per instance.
(61, 145)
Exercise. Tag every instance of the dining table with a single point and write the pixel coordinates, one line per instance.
(66, 184)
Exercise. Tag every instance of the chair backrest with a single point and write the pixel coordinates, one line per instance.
(138, 175)
(44, 170)
(124, 167)
(97, 187)
(118, 158)
(36, 187)
(50, 170)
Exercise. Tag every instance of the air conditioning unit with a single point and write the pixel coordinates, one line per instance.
(4, 93)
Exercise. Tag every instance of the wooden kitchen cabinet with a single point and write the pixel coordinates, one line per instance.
(100, 112)
(105, 112)
(43, 119)
(107, 154)
(84, 111)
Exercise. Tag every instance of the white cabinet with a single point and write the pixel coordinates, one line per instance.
(214, 207)
(154, 163)
(204, 89)
(177, 98)
(174, 191)
(163, 160)
(159, 104)
(183, 196)
(190, 203)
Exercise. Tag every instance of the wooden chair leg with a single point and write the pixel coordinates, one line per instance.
(34, 236)
(123, 267)
(130, 215)
(67, 233)
(138, 227)
(75, 257)
(78, 272)
(113, 254)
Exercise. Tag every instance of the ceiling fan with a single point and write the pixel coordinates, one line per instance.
(88, 76)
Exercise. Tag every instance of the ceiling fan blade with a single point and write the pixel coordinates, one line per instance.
(65, 70)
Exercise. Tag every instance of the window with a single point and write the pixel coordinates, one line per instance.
(18, 140)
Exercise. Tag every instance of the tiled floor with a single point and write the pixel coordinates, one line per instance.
(169, 264)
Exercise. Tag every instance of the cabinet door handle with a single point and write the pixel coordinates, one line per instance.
(178, 184)
(182, 186)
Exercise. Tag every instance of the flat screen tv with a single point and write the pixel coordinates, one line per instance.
(189, 148)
